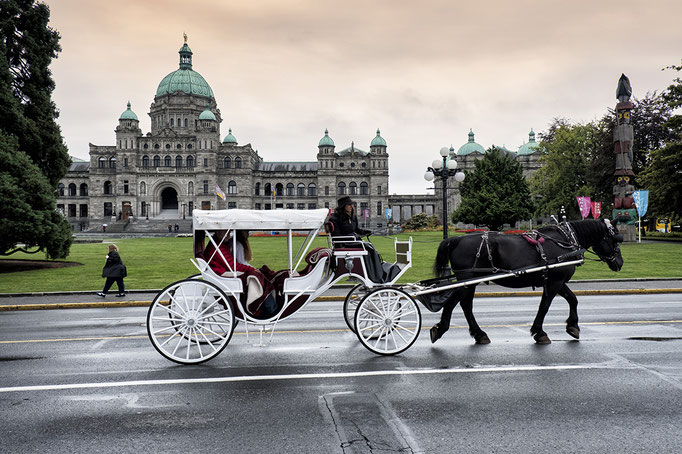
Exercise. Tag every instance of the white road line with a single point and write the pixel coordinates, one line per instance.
(252, 378)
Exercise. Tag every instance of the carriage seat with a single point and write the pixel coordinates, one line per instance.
(229, 284)
(308, 279)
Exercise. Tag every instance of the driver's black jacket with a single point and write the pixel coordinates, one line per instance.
(344, 225)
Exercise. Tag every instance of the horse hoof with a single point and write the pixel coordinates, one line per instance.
(435, 334)
(542, 340)
(483, 340)
(573, 331)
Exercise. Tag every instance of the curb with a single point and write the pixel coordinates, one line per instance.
(106, 304)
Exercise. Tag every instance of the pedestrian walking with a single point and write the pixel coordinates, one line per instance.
(170, 228)
(177, 227)
(114, 271)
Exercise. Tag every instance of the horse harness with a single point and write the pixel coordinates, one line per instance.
(536, 239)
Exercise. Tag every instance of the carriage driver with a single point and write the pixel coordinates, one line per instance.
(344, 222)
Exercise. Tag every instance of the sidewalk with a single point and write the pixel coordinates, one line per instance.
(142, 298)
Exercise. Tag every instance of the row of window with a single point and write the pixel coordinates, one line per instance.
(167, 161)
(299, 191)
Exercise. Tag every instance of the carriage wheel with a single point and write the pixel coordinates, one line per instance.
(190, 321)
(350, 303)
(387, 321)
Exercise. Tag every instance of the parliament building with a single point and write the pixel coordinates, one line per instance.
(183, 164)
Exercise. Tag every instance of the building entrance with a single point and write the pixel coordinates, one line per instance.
(169, 199)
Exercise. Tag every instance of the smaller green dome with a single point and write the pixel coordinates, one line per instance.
(530, 147)
(378, 141)
(128, 114)
(470, 146)
(229, 138)
(207, 114)
(326, 141)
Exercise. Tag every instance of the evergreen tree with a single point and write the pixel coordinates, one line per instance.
(32, 145)
(495, 193)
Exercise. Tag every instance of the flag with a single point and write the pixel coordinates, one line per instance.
(596, 209)
(219, 192)
(365, 213)
(584, 204)
(388, 212)
(641, 198)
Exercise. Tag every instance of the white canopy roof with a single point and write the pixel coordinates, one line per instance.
(259, 219)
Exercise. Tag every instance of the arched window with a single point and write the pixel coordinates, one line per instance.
(179, 146)
(186, 122)
(364, 188)
(108, 188)
(189, 146)
(156, 146)
(312, 190)
(190, 161)
(172, 122)
(279, 189)
(227, 162)
(190, 188)
(267, 190)
(237, 162)
(143, 209)
(300, 190)
(145, 161)
(167, 161)
(257, 189)
(101, 163)
(342, 188)
(290, 188)
(61, 189)
(157, 161)
(352, 188)
(112, 163)
(84, 189)
(178, 161)
(143, 188)
(146, 146)
(72, 190)
(231, 187)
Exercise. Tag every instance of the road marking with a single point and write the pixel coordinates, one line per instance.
(313, 376)
(340, 330)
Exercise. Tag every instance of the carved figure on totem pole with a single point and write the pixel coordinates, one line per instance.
(623, 138)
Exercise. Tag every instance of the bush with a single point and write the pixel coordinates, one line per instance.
(422, 221)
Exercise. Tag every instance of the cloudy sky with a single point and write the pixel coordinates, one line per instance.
(424, 72)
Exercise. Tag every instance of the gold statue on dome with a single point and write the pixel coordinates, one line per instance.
(184, 35)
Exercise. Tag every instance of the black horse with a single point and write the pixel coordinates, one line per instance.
(484, 254)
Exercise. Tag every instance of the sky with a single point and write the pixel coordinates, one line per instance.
(424, 72)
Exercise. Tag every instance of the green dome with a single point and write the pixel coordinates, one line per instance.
(229, 138)
(470, 146)
(128, 114)
(530, 147)
(326, 141)
(378, 141)
(185, 79)
(207, 114)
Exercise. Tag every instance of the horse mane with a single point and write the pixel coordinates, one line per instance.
(588, 231)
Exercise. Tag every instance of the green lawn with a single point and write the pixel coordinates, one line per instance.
(155, 262)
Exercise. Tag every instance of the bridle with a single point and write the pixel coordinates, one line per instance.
(609, 234)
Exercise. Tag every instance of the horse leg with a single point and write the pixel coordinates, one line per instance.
(572, 327)
(467, 304)
(548, 294)
(441, 327)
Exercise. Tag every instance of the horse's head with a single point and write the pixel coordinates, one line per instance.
(608, 249)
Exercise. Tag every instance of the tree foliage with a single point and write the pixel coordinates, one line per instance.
(28, 202)
(663, 176)
(421, 221)
(31, 138)
(573, 157)
(494, 193)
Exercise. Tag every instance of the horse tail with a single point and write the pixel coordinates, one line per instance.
(441, 265)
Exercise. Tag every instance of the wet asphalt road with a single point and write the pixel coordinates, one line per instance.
(90, 381)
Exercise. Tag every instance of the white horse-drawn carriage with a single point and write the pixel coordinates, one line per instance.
(192, 320)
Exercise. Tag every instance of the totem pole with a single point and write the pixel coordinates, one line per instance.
(624, 213)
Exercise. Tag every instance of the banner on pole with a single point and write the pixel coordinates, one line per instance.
(584, 204)
(641, 198)
(219, 192)
(388, 212)
(365, 213)
(596, 209)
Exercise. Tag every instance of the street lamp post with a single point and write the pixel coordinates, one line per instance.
(444, 169)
